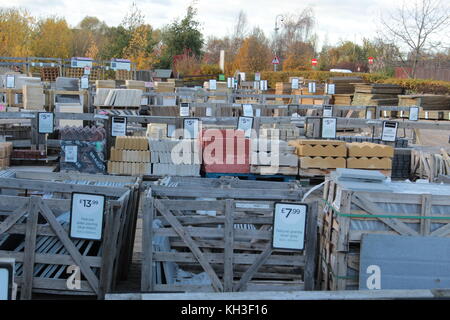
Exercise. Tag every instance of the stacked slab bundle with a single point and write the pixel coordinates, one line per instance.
(320, 154)
(118, 97)
(365, 155)
(344, 85)
(283, 132)
(109, 84)
(135, 84)
(343, 99)
(273, 157)
(5, 154)
(283, 88)
(83, 149)
(130, 156)
(164, 86)
(434, 107)
(376, 94)
(225, 151)
(175, 157)
(33, 97)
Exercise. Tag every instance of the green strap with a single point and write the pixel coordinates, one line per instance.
(351, 215)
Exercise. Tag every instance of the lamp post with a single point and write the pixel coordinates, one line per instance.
(277, 44)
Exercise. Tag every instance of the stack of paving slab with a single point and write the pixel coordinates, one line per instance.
(130, 156)
(165, 87)
(33, 97)
(320, 154)
(271, 157)
(365, 155)
(5, 154)
(118, 97)
(175, 157)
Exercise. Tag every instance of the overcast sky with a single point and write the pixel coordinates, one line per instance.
(335, 19)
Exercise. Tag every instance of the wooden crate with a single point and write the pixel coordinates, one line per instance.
(375, 212)
(234, 258)
(30, 219)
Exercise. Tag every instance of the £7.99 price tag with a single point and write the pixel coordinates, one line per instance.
(289, 225)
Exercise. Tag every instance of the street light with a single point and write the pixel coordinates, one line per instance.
(277, 42)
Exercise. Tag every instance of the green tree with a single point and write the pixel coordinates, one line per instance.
(180, 36)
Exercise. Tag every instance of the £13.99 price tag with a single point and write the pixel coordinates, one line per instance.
(86, 216)
(289, 226)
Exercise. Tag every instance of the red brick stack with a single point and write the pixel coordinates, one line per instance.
(225, 151)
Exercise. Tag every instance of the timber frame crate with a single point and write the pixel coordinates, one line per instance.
(398, 208)
(220, 229)
(34, 229)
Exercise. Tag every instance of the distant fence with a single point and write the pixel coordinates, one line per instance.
(428, 72)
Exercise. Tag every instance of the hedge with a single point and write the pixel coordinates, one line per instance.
(411, 85)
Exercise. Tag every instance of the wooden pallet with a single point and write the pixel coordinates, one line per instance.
(234, 259)
(340, 239)
(107, 259)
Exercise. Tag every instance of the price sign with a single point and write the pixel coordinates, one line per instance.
(46, 122)
(171, 130)
(84, 82)
(327, 111)
(329, 128)
(118, 126)
(184, 109)
(86, 216)
(71, 153)
(208, 112)
(331, 88)
(294, 83)
(289, 225)
(370, 112)
(257, 76)
(212, 85)
(414, 113)
(258, 112)
(6, 280)
(246, 124)
(248, 110)
(230, 82)
(191, 128)
(263, 85)
(312, 87)
(10, 81)
(87, 70)
(389, 131)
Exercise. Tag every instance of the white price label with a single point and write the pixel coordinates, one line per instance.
(45, 122)
(171, 130)
(246, 124)
(258, 113)
(10, 81)
(289, 226)
(312, 87)
(6, 280)
(71, 153)
(84, 82)
(87, 70)
(331, 88)
(184, 109)
(247, 110)
(389, 131)
(414, 113)
(191, 128)
(327, 111)
(86, 216)
(257, 76)
(263, 85)
(230, 82)
(208, 112)
(329, 128)
(294, 83)
(118, 126)
(212, 84)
